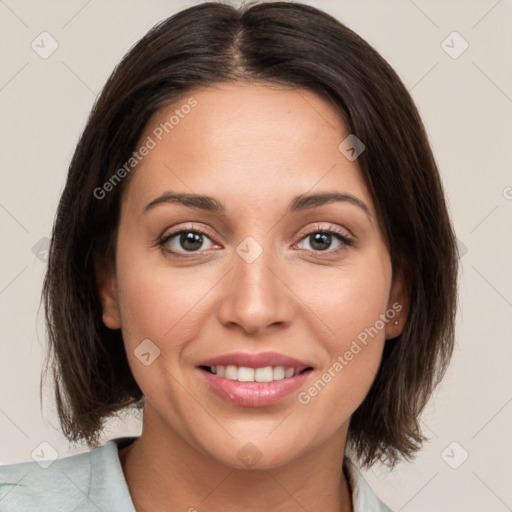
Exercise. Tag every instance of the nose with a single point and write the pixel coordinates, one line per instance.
(256, 297)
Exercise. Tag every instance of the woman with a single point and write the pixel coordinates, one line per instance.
(253, 247)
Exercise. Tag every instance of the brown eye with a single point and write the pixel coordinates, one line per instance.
(322, 240)
(190, 241)
(185, 240)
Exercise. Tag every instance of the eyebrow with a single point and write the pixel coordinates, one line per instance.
(298, 203)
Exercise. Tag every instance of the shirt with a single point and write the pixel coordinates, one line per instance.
(94, 482)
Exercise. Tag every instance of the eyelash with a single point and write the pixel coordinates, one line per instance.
(340, 235)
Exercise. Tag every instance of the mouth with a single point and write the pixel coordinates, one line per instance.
(248, 374)
(254, 380)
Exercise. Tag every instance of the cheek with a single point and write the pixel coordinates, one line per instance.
(163, 305)
(351, 299)
(352, 307)
(357, 304)
(159, 302)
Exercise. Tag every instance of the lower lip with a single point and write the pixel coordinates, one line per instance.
(254, 394)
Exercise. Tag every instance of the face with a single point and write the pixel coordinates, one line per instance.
(262, 283)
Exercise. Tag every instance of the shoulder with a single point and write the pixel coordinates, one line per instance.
(31, 486)
(81, 482)
(363, 497)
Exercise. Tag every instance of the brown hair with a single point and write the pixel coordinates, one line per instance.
(297, 46)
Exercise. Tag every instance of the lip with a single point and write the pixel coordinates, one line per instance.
(253, 394)
(260, 360)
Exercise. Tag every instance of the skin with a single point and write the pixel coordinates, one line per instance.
(253, 147)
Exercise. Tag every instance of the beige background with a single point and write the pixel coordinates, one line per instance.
(466, 104)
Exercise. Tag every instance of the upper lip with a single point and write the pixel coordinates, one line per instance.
(259, 360)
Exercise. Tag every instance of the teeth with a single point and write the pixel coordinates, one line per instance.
(231, 372)
(289, 372)
(264, 374)
(245, 374)
(279, 372)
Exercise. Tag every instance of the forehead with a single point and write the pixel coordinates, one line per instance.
(248, 143)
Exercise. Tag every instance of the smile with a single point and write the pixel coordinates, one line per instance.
(246, 374)
(254, 380)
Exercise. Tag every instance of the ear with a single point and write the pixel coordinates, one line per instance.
(106, 284)
(399, 303)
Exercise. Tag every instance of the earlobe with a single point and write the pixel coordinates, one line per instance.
(105, 282)
(398, 307)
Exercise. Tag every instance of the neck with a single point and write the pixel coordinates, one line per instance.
(164, 472)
